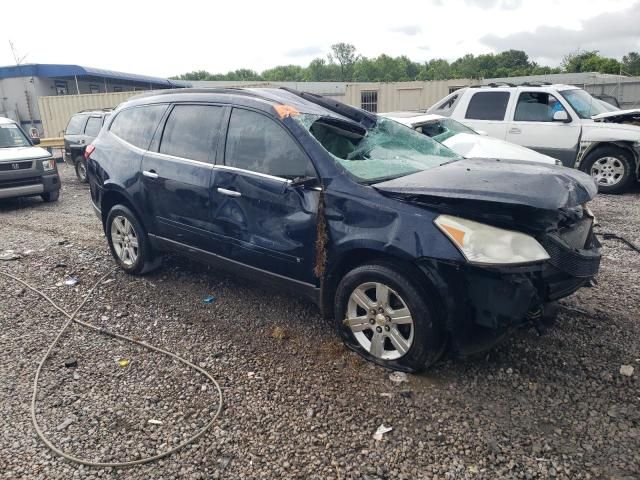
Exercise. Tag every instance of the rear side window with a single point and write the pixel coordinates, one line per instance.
(137, 125)
(94, 124)
(76, 125)
(192, 131)
(488, 106)
(257, 143)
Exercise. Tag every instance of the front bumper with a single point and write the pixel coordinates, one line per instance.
(27, 180)
(498, 299)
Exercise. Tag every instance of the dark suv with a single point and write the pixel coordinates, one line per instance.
(82, 128)
(402, 242)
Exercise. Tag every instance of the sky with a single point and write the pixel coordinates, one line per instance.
(169, 38)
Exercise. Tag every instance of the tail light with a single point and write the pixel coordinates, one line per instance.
(88, 151)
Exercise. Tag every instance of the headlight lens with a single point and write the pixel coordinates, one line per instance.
(48, 165)
(487, 245)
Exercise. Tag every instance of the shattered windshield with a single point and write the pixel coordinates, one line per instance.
(386, 151)
(584, 104)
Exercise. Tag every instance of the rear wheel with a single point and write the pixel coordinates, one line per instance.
(129, 242)
(81, 169)
(387, 320)
(612, 168)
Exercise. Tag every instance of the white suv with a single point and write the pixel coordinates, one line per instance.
(561, 121)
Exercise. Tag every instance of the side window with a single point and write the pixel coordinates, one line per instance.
(257, 143)
(192, 131)
(137, 125)
(488, 106)
(94, 124)
(76, 125)
(537, 107)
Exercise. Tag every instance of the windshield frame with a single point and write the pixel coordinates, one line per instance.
(15, 126)
(570, 94)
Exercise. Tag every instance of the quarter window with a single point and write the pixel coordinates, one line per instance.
(94, 124)
(192, 131)
(137, 125)
(257, 143)
(488, 106)
(76, 125)
(537, 107)
(369, 100)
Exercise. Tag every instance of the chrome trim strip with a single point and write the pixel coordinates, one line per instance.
(180, 159)
(257, 174)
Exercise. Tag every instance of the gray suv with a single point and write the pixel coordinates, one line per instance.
(25, 170)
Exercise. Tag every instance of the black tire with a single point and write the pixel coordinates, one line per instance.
(429, 336)
(623, 161)
(145, 258)
(81, 169)
(51, 196)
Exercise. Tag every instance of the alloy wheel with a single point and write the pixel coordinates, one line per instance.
(125, 240)
(607, 171)
(380, 321)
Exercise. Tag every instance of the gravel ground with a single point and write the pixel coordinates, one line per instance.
(296, 403)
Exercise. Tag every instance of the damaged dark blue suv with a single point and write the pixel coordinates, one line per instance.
(409, 247)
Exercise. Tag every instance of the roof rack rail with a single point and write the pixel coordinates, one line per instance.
(535, 84)
(494, 85)
(180, 91)
(105, 109)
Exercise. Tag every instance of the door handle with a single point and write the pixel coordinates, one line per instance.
(515, 130)
(229, 193)
(82, 142)
(150, 173)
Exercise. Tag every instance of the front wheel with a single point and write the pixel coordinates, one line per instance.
(129, 242)
(612, 168)
(385, 318)
(51, 196)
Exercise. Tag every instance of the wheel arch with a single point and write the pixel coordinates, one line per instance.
(624, 145)
(350, 259)
(114, 196)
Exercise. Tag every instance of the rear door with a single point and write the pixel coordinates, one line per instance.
(533, 126)
(486, 111)
(74, 141)
(267, 221)
(177, 174)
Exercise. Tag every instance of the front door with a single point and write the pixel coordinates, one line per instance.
(269, 222)
(177, 174)
(533, 127)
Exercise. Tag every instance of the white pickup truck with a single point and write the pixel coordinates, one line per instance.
(561, 121)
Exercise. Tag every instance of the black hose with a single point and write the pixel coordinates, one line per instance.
(614, 236)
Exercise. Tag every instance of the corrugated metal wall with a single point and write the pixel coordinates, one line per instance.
(396, 96)
(56, 111)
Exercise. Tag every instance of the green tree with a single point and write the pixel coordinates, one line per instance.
(345, 55)
(631, 63)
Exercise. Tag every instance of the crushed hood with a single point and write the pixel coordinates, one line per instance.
(619, 116)
(517, 183)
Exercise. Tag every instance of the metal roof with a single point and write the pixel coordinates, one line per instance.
(61, 70)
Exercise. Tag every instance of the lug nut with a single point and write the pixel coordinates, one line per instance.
(379, 329)
(372, 321)
(380, 309)
(386, 327)
(387, 318)
(373, 312)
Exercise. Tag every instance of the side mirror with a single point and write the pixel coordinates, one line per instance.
(561, 116)
(482, 132)
(35, 141)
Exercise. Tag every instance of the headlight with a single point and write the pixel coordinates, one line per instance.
(48, 165)
(486, 245)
